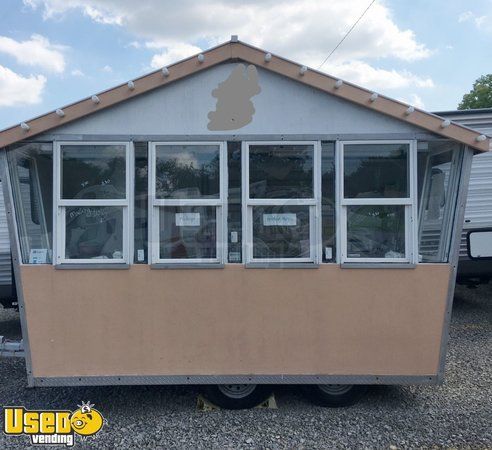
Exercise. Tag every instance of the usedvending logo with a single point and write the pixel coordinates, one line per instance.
(53, 427)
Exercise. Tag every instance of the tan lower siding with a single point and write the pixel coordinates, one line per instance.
(235, 321)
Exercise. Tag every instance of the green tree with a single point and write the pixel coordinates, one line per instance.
(480, 96)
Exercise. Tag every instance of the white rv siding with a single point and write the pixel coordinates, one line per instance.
(478, 213)
(5, 264)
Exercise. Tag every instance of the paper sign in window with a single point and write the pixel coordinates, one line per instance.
(187, 219)
(280, 220)
(38, 256)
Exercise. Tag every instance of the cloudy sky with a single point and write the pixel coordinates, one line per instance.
(424, 52)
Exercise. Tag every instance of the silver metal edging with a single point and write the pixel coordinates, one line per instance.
(14, 245)
(234, 137)
(234, 379)
(458, 219)
(378, 266)
(91, 266)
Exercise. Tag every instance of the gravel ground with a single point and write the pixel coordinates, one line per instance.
(457, 414)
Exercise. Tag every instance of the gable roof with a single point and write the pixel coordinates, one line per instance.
(235, 50)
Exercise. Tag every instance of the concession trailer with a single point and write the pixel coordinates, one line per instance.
(237, 220)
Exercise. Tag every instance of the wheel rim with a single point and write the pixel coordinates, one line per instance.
(335, 389)
(236, 390)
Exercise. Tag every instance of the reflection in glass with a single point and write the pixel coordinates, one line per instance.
(187, 171)
(281, 232)
(234, 213)
(376, 171)
(31, 173)
(141, 203)
(328, 207)
(93, 171)
(188, 232)
(94, 232)
(376, 231)
(281, 171)
(437, 167)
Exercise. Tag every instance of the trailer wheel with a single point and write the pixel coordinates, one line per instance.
(334, 395)
(237, 396)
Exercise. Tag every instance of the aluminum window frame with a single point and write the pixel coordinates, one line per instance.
(219, 203)
(60, 205)
(449, 209)
(313, 203)
(409, 203)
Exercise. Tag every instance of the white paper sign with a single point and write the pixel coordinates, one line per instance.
(280, 220)
(328, 253)
(187, 219)
(140, 255)
(234, 256)
(38, 256)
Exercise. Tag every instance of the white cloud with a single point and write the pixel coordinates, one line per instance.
(414, 100)
(37, 51)
(172, 54)
(302, 30)
(107, 69)
(379, 79)
(482, 22)
(305, 29)
(77, 73)
(18, 90)
(465, 16)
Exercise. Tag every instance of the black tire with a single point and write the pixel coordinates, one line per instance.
(334, 395)
(237, 396)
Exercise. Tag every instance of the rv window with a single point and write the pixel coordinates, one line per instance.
(438, 187)
(188, 232)
(281, 171)
(281, 232)
(188, 202)
(375, 231)
(31, 175)
(187, 171)
(281, 202)
(93, 232)
(93, 171)
(376, 171)
(377, 203)
(93, 186)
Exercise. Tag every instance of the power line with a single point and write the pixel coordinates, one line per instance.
(346, 34)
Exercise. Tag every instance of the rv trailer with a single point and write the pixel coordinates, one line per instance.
(237, 220)
(478, 212)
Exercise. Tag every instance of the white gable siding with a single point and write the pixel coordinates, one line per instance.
(283, 106)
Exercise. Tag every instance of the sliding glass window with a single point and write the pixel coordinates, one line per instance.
(93, 195)
(281, 202)
(378, 201)
(187, 191)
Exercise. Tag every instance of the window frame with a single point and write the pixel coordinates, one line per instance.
(313, 203)
(60, 205)
(409, 203)
(449, 209)
(220, 204)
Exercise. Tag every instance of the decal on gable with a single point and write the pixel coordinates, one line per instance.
(234, 108)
